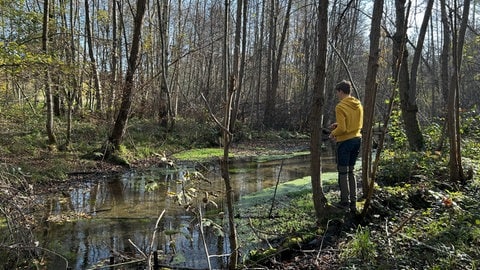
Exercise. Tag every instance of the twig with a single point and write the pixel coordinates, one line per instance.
(323, 238)
(41, 248)
(213, 116)
(117, 264)
(136, 247)
(275, 191)
(346, 68)
(154, 236)
(405, 222)
(255, 231)
(156, 228)
(423, 244)
(202, 233)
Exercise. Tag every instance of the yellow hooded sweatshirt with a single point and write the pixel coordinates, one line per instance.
(349, 117)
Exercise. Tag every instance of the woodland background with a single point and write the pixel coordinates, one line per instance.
(90, 71)
(79, 56)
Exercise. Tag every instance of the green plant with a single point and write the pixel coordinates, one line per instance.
(398, 166)
(361, 246)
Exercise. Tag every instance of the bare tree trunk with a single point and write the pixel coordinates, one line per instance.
(71, 93)
(93, 62)
(114, 64)
(119, 128)
(407, 93)
(276, 58)
(260, 52)
(444, 60)
(368, 175)
(52, 140)
(239, 53)
(229, 86)
(164, 109)
(453, 115)
(416, 140)
(316, 115)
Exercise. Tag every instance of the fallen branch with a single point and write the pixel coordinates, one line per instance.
(137, 248)
(405, 222)
(323, 237)
(255, 231)
(154, 237)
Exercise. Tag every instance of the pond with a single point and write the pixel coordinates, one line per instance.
(115, 218)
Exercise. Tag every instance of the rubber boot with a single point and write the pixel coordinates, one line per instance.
(343, 184)
(352, 183)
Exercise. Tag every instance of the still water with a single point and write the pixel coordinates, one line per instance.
(118, 214)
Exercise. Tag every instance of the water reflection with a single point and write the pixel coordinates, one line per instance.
(123, 209)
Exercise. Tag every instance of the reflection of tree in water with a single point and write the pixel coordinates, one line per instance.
(126, 206)
(115, 189)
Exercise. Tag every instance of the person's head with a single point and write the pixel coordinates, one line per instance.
(344, 87)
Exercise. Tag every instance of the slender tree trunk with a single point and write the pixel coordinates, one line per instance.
(122, 118)
(444, 60)
(229, 87)
(407, 93)
(164, 109)
(239, 53)
(93, 62)
(114, 64)
(276, 59)
(260, 53)
(71, 93)
(368, 175)
(455, 163)
(316, 115)
(52, 140)
(414, 133)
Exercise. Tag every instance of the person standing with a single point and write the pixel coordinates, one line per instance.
(346, 131)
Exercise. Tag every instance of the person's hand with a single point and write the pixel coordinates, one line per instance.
(333, 126)
(332, 137)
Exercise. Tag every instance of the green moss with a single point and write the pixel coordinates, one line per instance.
(202, 154)
(3, 223)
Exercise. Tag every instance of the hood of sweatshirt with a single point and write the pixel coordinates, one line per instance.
(350, 103)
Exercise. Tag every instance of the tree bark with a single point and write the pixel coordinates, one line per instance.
(414, 134)
(52, 140)
(122, 118)
(408, 104)
(228, 121)
(368, 174)
(239, 53)
(453, 115)
(444, 69)
(165, 111)
(276, 59)
(316, 115)
(93, 62)
(114, 64)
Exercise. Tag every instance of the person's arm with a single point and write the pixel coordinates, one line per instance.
(341, 127)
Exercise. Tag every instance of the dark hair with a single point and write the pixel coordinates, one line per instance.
(344, 86)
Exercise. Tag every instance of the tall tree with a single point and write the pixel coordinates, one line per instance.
(113, 63)
(275, 60)
(52, 140)
(165, 110)
(408, 94)
(371, 85)
(453, 112)
(93, 61)
(316, 114)
(120, 125)
(227, 135)
(239, 52)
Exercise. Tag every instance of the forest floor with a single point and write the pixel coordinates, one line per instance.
(419, 223)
